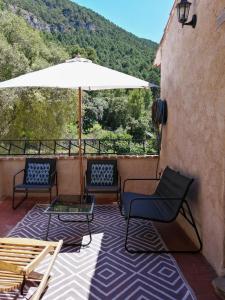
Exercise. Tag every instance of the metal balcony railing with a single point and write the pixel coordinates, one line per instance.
(70, 147)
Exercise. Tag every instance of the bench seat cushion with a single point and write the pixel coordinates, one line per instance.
(149, 208)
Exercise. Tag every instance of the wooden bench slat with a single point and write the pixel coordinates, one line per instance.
(22, 251)
(10, 287)
(18, 259)
(8, 280)
(27, 242)
(11, 254)
(10, 275)
(15, 247)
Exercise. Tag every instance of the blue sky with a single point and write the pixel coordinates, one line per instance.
(144, 18)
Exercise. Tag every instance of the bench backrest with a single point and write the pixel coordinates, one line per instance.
(38, 171)
(173, 185)
(102, 172)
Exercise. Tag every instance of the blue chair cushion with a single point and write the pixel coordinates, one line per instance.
(102, 174)
(37, 173)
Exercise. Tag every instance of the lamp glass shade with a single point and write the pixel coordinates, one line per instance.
(183, 9)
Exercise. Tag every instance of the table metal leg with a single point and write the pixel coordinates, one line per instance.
(89, 233)
(88, 221)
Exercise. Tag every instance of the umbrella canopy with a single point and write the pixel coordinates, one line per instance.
(77, 73)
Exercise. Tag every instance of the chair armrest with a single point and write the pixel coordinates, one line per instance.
(137, 179)
(14, 177)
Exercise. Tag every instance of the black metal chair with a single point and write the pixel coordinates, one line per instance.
(39, 175)
(164, 205)
(102, 177)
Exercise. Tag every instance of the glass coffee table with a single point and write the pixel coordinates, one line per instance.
(74, 206)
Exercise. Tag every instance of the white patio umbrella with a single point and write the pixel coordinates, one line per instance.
(81, 74)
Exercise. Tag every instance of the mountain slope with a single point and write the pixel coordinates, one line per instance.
(36, 34)
(72, 25)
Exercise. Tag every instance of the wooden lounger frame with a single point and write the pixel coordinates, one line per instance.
(19, 257)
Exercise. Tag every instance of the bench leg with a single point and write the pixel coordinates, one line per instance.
(193, 224)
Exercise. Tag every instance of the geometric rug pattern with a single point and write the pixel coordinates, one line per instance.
(104, 270)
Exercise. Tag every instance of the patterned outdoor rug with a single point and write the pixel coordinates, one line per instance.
(104, 270)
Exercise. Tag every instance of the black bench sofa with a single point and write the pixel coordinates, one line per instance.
(164, 205)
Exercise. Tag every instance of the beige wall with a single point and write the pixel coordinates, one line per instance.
(68, 173)
(193, 83)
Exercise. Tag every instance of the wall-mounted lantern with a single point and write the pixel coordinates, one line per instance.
(183, 9)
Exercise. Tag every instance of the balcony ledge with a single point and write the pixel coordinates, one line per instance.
(66, 157)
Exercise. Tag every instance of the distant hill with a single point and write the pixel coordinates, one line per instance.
(71, 26)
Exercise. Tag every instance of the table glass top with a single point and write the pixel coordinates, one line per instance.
(71, 204)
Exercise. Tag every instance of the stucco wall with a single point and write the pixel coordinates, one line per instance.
(193, 83)
(68, 173)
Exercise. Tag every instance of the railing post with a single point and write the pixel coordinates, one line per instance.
(10, 145)
(39, 149)
(25, 146)
(84, 146)
(114, 146)
(70, 147)
(99, 147)
(54, 147)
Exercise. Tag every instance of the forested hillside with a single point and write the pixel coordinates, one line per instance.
(72, 25)
(36, 34)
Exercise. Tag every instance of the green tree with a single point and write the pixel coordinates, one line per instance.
(138, 121)
(38, 114)
(93, 111)
(115, 113)
(138, 128)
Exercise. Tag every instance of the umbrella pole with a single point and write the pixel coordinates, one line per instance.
(80, 136)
